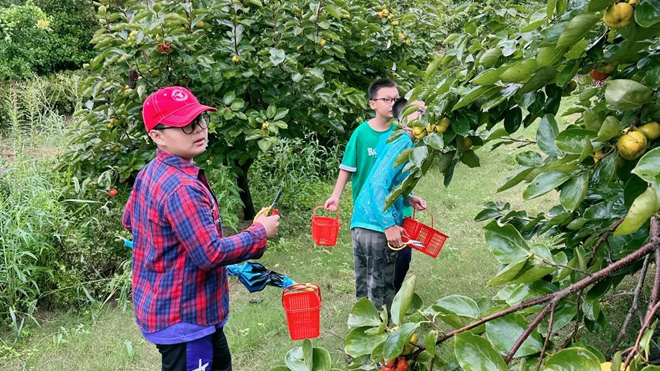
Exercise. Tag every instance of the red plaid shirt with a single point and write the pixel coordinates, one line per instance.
(178, 248)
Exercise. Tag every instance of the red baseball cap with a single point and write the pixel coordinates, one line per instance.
(172, 106)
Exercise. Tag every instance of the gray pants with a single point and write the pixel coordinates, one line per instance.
(374, 267)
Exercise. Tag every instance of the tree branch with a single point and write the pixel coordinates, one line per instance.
(528, 331)
(559, 295)
(650, 313)
(635, 348)
(655, 291)
(633, 307)
(547, 337)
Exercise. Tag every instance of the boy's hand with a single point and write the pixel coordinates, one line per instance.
(393, 235)
(416, 202)
(271, 223)
(422, 108)
(332, 203)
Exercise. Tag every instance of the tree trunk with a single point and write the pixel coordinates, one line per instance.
(244, 186)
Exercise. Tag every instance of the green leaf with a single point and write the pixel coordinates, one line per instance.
(470, 159)
(513, 120)
(229, 97)
(507, 273)
(332, 10)
(432, 67)
(647, 13)
(591, 120)
(648, 167)
(544, 183)
(473, 94)
(573, 192)
(397, 339)
(359, 343)
(515, 178)
(434, 141)
(596, 5)
(277, 56)
(531, 273)
(308, 354)
(611, 128)
(529, 158)
(237, 104)
(505, 242)
(264, 144)
(574, 140)
(576, 29)
(652, 78)
(459, 305)
(626, 95)
(418, 155)
(364, 313)
(504, 331)
(402, 300)
(573, 359)
(475, 353)
(295, 360)
(546, 134)
(322, 360)
(489, 76)
(587, 151)
(644, 207)
(430, 342)
(551, 9)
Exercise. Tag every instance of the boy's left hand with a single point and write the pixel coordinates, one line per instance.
(417, 202)
(422, 108)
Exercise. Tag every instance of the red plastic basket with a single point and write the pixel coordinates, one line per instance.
(429, 237)
(302, 304)
(325, 229)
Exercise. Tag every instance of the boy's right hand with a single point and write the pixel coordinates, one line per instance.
(332, 203)
(393, 235)
(271, 223)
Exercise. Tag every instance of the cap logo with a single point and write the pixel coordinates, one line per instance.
(179, 95)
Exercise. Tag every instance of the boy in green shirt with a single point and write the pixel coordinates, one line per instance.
(360, 155)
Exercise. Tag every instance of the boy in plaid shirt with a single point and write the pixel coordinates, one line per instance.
(180, 291)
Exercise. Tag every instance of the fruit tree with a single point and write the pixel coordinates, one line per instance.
(273, 68)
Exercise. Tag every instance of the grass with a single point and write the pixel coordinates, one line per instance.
(107, 338)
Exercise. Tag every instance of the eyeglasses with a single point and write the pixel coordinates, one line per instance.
(387, 100)
(200, 120)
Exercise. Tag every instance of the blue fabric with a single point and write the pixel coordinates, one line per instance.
(199, 354)
(179, 333)
(368, 210)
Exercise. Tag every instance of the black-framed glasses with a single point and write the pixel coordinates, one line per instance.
(387, 100)
(201, 120)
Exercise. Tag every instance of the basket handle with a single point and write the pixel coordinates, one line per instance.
(432, 217)
(321, 207)
(301, 286)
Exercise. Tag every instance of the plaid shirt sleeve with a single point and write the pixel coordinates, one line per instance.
(189, 211)
(126, 217)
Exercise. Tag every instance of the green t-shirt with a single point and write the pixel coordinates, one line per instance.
(360, 154)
